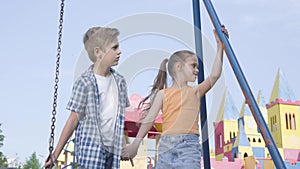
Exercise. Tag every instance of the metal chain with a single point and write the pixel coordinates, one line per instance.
(51, 140)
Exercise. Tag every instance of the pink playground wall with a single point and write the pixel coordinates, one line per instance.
(291, 155)
(237, 164)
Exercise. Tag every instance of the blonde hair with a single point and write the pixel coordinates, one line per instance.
(179, 56)
(160, 82)
(99, 37)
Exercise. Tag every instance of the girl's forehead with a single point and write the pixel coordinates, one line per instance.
(192, 58)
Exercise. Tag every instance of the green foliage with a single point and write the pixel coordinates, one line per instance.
(3, 159)
(1, 137)
(32, 163)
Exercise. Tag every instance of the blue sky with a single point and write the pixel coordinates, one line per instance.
(265, 36)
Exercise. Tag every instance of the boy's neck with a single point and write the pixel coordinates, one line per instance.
(101, 70)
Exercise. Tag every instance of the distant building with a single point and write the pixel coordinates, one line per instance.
(239, 137)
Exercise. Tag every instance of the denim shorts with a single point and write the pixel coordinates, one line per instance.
(179, 152)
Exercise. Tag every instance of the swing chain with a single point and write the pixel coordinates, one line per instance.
(51, 140)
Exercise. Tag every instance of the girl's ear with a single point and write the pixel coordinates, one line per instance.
(178, 66)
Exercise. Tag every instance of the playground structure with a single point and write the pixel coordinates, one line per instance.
(238, 141)
(253, 106)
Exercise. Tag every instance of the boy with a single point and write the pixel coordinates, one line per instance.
(97, 105)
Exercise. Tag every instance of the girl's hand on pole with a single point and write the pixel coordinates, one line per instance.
(218, 40)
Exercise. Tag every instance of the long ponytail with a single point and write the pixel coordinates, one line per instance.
(159, 83)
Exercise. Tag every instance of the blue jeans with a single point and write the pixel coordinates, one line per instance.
(179, 152)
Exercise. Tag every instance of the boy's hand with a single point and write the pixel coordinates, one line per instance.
(126, 155)
(49, 163)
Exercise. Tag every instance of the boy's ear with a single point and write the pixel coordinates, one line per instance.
(98, 53)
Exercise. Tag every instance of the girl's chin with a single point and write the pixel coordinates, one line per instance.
(115, 63)
(192, 81)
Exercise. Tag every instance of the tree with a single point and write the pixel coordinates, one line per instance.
(32, 162)
(15, 163)
(3, 159)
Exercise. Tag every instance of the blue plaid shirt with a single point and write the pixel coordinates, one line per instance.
(85, 100)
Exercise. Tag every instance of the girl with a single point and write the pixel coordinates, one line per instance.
(179, 145)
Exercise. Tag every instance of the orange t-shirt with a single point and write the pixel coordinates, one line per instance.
(180, 111)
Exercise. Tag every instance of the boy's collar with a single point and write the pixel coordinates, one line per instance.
(113, 71)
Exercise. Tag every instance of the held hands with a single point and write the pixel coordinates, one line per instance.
(130, 151)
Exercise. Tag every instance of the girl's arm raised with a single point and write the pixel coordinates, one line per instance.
(209, 82)
(130, 151)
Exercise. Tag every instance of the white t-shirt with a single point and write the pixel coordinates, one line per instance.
(109, 103)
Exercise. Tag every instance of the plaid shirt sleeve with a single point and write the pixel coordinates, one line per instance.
(78, 99)
(126, 95)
